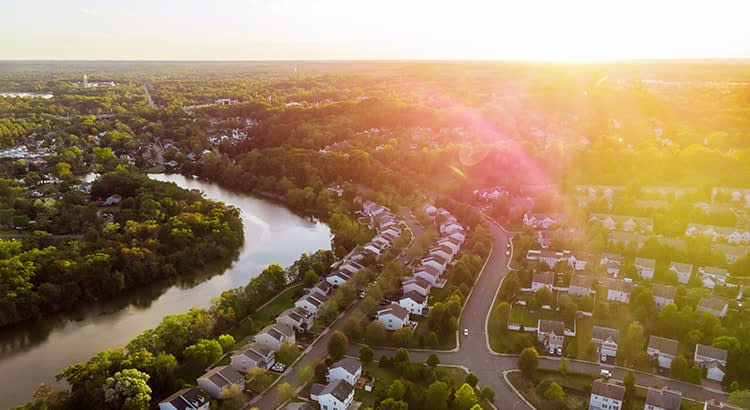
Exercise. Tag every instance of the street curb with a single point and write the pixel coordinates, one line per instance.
(505, 376)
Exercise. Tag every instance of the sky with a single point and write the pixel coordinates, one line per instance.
(558, 30)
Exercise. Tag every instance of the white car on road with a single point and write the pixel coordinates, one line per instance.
(466, 332)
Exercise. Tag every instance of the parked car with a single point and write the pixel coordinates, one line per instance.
(605, 373)
(559, 351)
(466, 332)
(604, 358)
(551, 351)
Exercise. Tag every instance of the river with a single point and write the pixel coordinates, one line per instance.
(33, 353)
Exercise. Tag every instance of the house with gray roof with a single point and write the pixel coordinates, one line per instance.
(336, 395)
(714, 305)
(663, 400)
(663, 350)
(220, 381)
(186, 399)
(606, 395)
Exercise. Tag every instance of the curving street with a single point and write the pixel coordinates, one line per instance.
(473, 351)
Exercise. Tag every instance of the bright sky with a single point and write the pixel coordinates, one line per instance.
(374, 29)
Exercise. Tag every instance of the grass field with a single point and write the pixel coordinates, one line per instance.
(267, 314)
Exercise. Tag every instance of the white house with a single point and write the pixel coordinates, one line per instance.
(551, 258)
(551, 333)
(682, 270)
(663, 400)
(254, 355)
(272, 336)
(622, 222)
(297, 318)
(606, 395)
(416, 284)
(219, 381)
(458, 236)
(393, 317)
(336, 395)
(645, 267)
(713, 359)
(186, 399)
(543, 280)
(612, 261)
(347, 369)
(605, 339)
(713, 305)
(580, 285)
(663, 294)
(619, 291)
(429, 274)
(311, 303)
(662, 349)
(712, 276)
(338, 278)
(543, 221)
(578, 261)
(435, 262)
(414, 302)
(322, 288)
(454, 246)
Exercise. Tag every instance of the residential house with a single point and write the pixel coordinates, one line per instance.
(663, 294)
(430, 274)
(414, 302)
(419, 285)
(663, 350)
(347, 369)
(578, 261)
(551, 333)
(312, 302)
(663, 399)
(714, 404)
(186, 399)
(606, 395)
(731, 235)
(457, 236)
(436, 262)
(645, 267)
(731, 253)
(322, 289)
(452, 244)
(713, 359)
(450, 228)
(712, 276)
(336, 395)
(543, 221)
(543, 280)
(682, 270)
(220, 381)
(297, 318)
(741, 195)
(272, 336)
(605, 339)
(551, 258)
(489, 194)
(713, 305)
(619, 290)
(593, 191)
(338, 278)
(581, 285)
(612, 262)
(669, 191)
(622, 222)
(626, 239)
(253, 355)
(393, 317)
(442, 251)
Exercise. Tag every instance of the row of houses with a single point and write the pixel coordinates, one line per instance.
(610, 395)
(620, 291)
(711, 276)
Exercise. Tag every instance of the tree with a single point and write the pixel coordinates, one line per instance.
(128, 389)
(544, 297)
(311, 278)
(679, 367)
(437, 396)
(306, 373)
(465, 398)
(286, 392)
(564, 366)
(740, 398)
(401, 356)
(366, 354)
(396, 390)
(402, 336)
(205, 352)
(487, 393)
(632, 342)
(528, 361)
(337, 345)
(554, 393)
(471, 379)
(234, 399)
(433, 360)
(391, 404)
(226, 341)
(375, 333)
(288, 352)
(629, 382)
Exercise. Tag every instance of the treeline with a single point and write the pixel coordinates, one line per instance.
(158, 361)
(156, 231)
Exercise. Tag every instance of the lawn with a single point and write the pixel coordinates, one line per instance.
(584, 327)
(267, 314)
(453, 376)
(577, 389)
